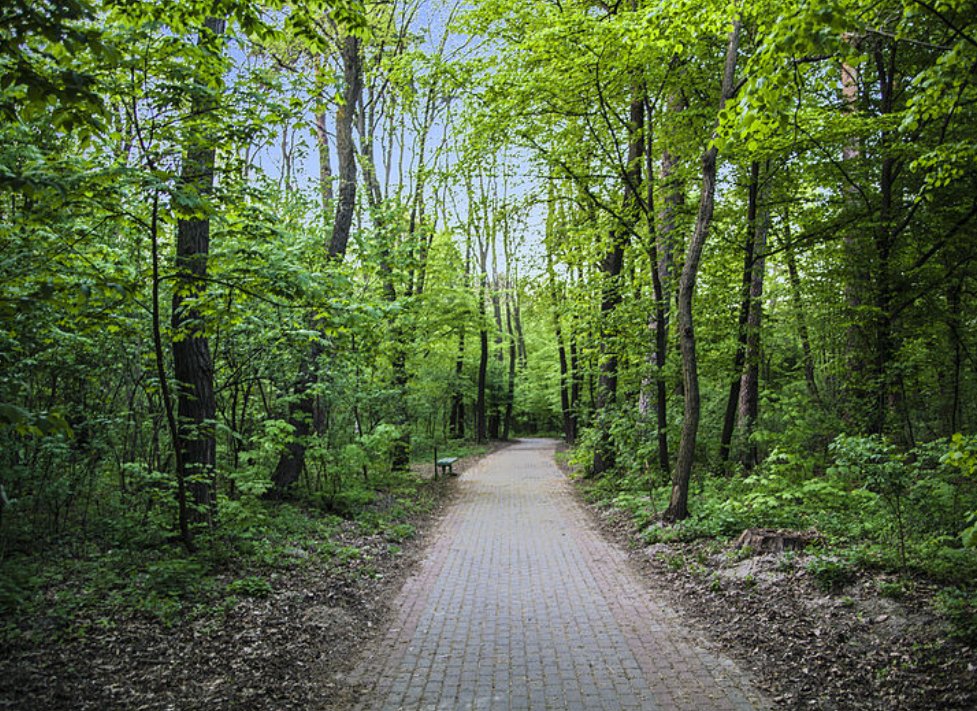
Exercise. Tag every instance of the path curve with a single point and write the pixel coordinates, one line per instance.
(520, 603)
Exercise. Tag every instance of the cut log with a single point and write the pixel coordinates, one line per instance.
(772, 540)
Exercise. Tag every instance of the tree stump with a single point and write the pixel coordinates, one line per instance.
(772, 540)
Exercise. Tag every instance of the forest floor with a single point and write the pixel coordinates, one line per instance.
(868, 642)
(852, 647)
(276, 649)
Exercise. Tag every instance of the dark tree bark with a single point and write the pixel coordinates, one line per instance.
(678, 507)
(749, 400)
(520, 339)
(193, 369)
(611, 266)
(799, 314)
(576, 384)
(458, 401)
(660, 254)
(511, 394)
(481, 429)
(568, 429)
(739, 357)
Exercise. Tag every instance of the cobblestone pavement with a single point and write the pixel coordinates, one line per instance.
(522, 604)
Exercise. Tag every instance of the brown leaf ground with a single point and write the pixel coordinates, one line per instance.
(849, 648)
(284, 651)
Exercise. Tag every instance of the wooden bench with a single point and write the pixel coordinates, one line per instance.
(445, 465)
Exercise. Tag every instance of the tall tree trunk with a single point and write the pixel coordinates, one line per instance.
(611, 266)
(886, 393)
(193, 369)
(750, 389)
(954, 322)
(186, 535)
(658, 324)
(739, 357)
(520, 339)
(576, 384)
(678, 507)
(481, 430)
(511, 395)
(457, 399)
(799, 315)
(302, 411)
(568, 429)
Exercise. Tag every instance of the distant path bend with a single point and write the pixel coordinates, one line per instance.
(521, 604)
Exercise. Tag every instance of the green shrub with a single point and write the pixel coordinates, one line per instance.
(960, 609)
(253, 586)
(830, 574)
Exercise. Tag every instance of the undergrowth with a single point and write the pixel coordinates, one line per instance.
(878, 509)
(66, 595)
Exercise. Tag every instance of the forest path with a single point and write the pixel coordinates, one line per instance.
(520, 603)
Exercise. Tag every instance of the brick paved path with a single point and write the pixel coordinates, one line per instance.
(522, 604)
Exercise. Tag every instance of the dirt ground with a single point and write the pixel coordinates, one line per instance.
(287, 650)
(849, 648)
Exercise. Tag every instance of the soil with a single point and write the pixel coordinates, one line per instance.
(284, 651)
(808, 648)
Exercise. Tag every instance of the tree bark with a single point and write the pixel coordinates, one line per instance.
(678, 507)
(749, 401)
(302, 411)
(658, 322)
(511, 395)
(458, 401)
(799, 316)
(739, 357)
(193, 369)
(481, 430)
(611, 266)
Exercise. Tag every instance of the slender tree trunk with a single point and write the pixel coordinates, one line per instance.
(739, 357)
(799, 315)
(186, 535)
(886, 392)
(481, 431)
(658, 324)
(576, 384)
(302, 411)
(193, 369)
(611, 266)
(511, 396)
(325, 166)
(458, 400)
(568, 432)
(678, 507)
(520, 339)
(953, 326)
(750, 390)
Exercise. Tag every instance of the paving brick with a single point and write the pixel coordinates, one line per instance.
(522, 604)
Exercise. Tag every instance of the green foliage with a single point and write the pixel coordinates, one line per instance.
(829, 573)
(960, 608)
(253, 586)
(962, 455)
